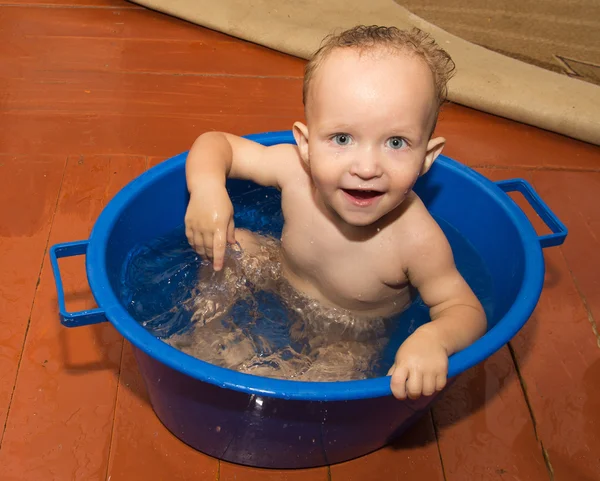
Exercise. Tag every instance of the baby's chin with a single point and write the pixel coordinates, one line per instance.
(366, 219)
(359, 220)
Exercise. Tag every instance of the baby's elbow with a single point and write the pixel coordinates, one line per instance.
(482, 319)
(211, 143)
(478, 316)
(210, 137)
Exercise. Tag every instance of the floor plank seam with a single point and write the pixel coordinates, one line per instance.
(112, 429)
(203, 75)
(523, 384)
(163, 74)
(105, 200)
(437, 442)
(191, 117)
(37, 285)
(547, 461)
(75, 7)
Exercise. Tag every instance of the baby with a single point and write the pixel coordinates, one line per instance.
(355, 237)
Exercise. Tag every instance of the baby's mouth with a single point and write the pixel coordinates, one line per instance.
(362, 194)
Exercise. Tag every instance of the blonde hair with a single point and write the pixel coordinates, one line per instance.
(364, 37)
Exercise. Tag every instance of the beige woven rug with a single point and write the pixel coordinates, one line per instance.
(546, 75)
(559, 35)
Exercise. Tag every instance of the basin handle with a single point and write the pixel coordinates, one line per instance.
(559, 230)
(72, 319)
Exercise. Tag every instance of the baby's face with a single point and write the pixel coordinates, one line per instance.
(369, 119)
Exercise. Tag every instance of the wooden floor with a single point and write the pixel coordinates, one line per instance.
(92, 93)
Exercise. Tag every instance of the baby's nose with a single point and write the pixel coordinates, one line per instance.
(367, 165)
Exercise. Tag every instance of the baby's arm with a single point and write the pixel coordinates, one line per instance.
(457, 317)
(213, 158)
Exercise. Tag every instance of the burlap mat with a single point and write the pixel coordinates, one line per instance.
(558, 35)
(485, 80)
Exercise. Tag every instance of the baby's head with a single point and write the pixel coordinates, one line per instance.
(372, 96)
(391, 39)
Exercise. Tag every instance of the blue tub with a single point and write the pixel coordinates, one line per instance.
(290, 424)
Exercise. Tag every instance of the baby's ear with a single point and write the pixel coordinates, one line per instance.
(300, 132)
(434, 148)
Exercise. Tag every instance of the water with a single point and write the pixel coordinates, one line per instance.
(160, 277)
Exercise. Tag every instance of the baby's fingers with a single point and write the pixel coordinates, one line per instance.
(207, 241)
(429, 384)
(231, 232)
(199, 245)
(398, 382)
(440, 382)
(218, 249)
(414, 386)
(195, 241)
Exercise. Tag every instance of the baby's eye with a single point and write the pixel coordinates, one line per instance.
(342, 139)
(396, 143)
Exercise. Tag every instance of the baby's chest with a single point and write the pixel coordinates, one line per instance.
(366, 270)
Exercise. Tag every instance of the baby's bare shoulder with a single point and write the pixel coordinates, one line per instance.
(423, 248)
(285, 158)
(414, 214)
(418, 229)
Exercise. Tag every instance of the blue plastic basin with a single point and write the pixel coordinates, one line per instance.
(290, 424)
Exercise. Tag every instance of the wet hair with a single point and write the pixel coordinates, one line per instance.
(415, 41)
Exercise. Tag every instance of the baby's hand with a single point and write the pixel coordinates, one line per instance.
(209, 223)
(420, 367)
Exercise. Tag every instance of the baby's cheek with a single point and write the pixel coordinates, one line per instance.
(404, 179)
(324, 178)
(414, 177)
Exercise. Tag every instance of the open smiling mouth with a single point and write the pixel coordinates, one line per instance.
(362, 197)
